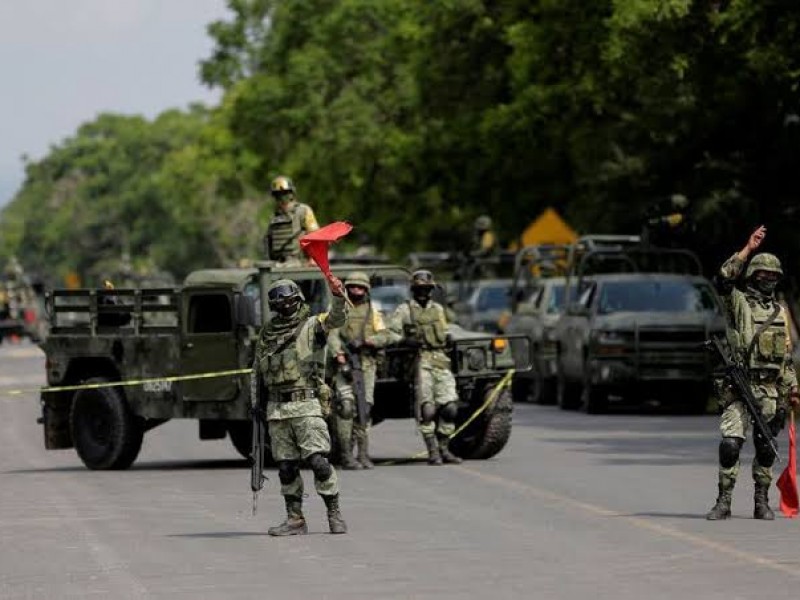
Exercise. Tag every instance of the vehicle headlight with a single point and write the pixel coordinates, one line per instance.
(609, 338)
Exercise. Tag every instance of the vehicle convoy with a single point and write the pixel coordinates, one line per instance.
(638, 335)
(537, 300)
(209, 325)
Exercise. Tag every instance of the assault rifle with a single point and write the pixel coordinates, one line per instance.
(257, 476)
(359, 389)
(736, 374)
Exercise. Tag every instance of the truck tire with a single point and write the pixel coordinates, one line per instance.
(487, 436)
(241, 434)
(527, 389)
(106, 434)
(594, 399)
(568, 395)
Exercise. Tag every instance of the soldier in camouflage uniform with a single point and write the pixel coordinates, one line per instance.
(291, 356)
(363, 334)
(290, 221)
(760, 333)
(421, 324)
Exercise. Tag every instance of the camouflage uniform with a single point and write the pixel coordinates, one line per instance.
(772, 376)
(291, 355)
(290, 221)
(425, 327)
(364, 324)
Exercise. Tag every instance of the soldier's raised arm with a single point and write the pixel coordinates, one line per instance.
(337, 315)
(732, 268)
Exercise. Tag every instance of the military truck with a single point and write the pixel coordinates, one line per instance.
(208, 325)
(636, 331)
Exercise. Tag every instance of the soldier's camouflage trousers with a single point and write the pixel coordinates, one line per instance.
(735, 423)
(344, 393)
(296, 439)
(437, 386)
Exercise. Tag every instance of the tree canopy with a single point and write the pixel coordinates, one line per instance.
(411, 118)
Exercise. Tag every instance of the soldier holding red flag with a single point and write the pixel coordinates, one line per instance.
(759, 330)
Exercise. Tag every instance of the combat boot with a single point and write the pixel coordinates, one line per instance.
(762, 509)
(722, 509)
(363, 451)
(335, 520)
(444, 450)
(295, 523)
(434, 457)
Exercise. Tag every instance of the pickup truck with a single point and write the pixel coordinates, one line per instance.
(209, 325)
(637, 336)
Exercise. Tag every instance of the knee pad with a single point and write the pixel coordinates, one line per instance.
(449, 412)
(287, 471)
(345, 409)
(764, 454)
(321, 467)
(427, 412)
(729, 451)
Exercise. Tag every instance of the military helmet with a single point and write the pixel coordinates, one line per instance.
(422, 278)
(284, 296)
(764, 262)
(358, 278)
(282, 186)
(483, 222)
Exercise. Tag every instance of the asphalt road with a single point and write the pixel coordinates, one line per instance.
(576, 507)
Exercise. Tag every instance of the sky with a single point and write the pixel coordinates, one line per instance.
(64, 61)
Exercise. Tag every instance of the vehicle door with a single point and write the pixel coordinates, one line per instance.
(209, 344)
(577, 329)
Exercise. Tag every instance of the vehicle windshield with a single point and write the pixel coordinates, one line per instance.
(494, 298)
(656, 296)
(556, 301)
(389, 297)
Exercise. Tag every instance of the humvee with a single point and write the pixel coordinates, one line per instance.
(209, 325)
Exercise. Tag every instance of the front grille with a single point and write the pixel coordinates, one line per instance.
(672, 336)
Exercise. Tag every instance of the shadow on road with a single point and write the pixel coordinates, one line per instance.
(666, 515)
(195, 465)
(232, 534)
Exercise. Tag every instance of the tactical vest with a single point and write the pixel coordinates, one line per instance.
(283, 233)
(284, 370)
(359, 323)
(769, 350)
(430, 325)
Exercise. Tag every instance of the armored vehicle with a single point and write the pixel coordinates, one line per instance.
(210, 325)
(637, 334)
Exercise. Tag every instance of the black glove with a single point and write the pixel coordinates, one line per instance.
(777, 422)
(411, 342)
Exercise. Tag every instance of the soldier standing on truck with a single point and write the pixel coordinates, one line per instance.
(291, 356)
(422, 325)
(355, 347)
(760, 335)
(290, 220)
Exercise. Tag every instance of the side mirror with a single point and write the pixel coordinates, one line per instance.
(245, 308)
(526, 308)
(579, 310)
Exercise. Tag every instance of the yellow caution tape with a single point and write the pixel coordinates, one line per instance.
(501, 385)
(127, 383)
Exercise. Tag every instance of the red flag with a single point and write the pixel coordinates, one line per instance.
(315, 244)
(787, 482)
